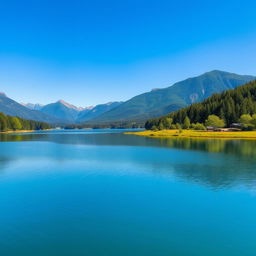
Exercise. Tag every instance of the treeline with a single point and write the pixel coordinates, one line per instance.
(220, 110)
(12, 123)
(108, 125)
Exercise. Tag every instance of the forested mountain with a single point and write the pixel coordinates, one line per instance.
(12, 108)
(96, 111)
(136, 110)
(162, 101)
(231, 106)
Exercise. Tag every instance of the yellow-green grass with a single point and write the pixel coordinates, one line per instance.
(18, 131)
(197, 134)
(23, 131)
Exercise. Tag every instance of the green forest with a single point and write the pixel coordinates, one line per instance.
(12, 123)
(220, 110)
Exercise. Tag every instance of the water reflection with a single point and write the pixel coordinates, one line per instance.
(237, 147)
(211, 162)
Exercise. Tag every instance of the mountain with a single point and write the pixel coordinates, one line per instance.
(68, 105)
(62, 110)
(162, 101)
(13, 108)
(94, 112)
(228, 105)
(73, 114)
(32, 106)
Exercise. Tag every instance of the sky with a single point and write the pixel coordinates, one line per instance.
(92, 52)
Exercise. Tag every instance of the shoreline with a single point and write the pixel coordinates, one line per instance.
(23, 131)
(196, 134)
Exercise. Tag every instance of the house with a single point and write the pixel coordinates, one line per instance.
(216, 129)
(210, 128)
(236, 125)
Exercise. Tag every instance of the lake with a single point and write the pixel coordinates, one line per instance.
(100, 193)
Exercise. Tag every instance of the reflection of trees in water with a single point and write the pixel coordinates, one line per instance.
(235, 166)
(3, 163)
(224, 176)
(238, 147)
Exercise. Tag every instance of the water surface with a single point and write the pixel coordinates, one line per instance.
(100, 192)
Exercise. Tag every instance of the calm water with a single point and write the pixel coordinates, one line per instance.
(101, 193)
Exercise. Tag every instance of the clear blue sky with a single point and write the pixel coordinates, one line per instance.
(90, 52)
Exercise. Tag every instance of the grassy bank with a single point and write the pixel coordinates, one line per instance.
(197, 134)
(24, 131)
(18, 131)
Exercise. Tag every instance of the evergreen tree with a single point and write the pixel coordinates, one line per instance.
(15, 123)
(228, 106)
(186, 123)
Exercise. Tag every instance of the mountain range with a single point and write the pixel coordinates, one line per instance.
(13, 108)
(151, 104)
(163, 101)
(229, 105)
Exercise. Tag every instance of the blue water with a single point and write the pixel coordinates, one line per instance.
(101, 192)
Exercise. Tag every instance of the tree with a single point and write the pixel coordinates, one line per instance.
(15, 123)
(161, 126)
(199, 126)
(253, 121)
(3, 122)
(245, 119)
(214, 121)
(167, 122)
(228, 106)
(186, 123)
(154, 128)
(178, 126)
(173, 126)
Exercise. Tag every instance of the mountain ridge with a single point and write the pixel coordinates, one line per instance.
(229, 105)
(154, 103)
(181, 94)
(13, 108)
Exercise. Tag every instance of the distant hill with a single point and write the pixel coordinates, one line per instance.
(162, 101)
(73, 114)
(228, 105)
(13, 108)
(61, 110)
(32, 106)
(96, 111)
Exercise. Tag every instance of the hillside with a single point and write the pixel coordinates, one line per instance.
(229, 105)
(36, 106)
(61, 110)
(12, 108)
(73, 114)
(162, 101)
(96, 111)
(11, 123)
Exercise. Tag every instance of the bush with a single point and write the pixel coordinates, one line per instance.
(199, 126)
(215, 121)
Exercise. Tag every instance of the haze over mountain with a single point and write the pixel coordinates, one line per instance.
(162, 101)
(152, 104)
(96, 111)
(12, 108)
(61, 110)
(69, 113)
(35, 106)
